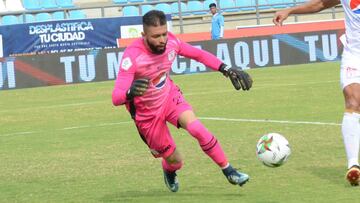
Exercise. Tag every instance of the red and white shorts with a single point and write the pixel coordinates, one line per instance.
(350, 65)
(350, 70)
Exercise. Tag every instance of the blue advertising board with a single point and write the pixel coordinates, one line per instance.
(62, 36)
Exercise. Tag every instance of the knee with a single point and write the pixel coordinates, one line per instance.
(352, 97)
(174, 158)
(170, 167)
(352, 104)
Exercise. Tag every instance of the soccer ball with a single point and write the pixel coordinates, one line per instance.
(273, 150)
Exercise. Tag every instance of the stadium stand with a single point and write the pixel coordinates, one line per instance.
(263, 4)
(196, 8)
(130, 11)
(245, 5)
(120, 1)
(31, 4)
(278, 3)
(228, 6)
(135, 1)
(195, 16)
(175, 9)
(164, 7)
(65, 3)
(48, 4)
(27, 18)
(289, 3)
(58, 15)
(146, 8)
(9, 20)
(77, 14)
(207, 3)
(41, 17)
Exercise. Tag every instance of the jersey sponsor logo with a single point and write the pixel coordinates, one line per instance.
(355, 6)
(160, 80)
(171, 55)
(126, 63)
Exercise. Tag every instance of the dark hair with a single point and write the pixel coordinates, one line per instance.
(154, 18)
(212, 5)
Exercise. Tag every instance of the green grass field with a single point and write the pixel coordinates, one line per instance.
(69, 144)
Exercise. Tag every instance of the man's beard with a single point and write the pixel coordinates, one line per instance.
(155, 50)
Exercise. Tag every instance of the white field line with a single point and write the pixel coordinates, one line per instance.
(66, 128)
(203, 92)
(56, 106)
(75, 127)
(17, 133)
(201, 118)
(268, 121)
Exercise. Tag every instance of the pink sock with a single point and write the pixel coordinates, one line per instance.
(208, 142)
(171, 167)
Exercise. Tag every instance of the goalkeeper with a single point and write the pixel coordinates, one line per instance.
(144, 86)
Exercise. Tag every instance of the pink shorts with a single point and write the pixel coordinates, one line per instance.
(155, 132)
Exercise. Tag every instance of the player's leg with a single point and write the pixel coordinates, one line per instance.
(156, 135)
(180, 114)
(207, 141)
(351, 131)
(210, 145)
(350, 82)
(170, 165)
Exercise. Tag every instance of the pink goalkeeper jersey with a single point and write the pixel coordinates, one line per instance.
(139, 62)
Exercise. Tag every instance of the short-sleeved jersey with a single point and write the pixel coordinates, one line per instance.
(217, 26)
(352, 25)
(139, 62)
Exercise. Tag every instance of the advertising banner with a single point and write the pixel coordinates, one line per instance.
(66, 35)
(102, 65)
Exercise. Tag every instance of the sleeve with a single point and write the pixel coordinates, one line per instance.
(124, 79)
(202, 56)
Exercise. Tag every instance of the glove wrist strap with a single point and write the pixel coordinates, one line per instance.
(129, 97)
(224, 68)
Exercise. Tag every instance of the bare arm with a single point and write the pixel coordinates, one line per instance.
(312, 6)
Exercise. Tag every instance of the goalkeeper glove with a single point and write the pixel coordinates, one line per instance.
(137, 88)
(240, 79)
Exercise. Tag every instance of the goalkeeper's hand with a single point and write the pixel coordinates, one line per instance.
(137, 88)
(240, 79)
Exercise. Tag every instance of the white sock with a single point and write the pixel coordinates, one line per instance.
(351, 136)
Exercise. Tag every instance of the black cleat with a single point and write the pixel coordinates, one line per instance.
(171, 181)
(235, 177)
